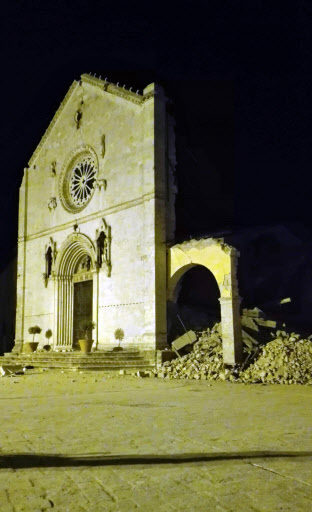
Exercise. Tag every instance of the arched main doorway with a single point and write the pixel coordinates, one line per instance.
(75, 290)
(195, 302)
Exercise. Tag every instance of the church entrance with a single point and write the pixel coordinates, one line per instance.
(83, 292)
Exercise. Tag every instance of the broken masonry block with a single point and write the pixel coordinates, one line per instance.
(11, 370)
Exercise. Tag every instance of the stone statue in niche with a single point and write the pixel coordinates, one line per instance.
(84, 264)
(103, 145)
(103, 246)
(52, 204)
(49, 257)
(78, 117)
(100, 243)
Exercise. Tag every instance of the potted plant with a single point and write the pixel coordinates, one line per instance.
(119, 335)
(48, 335)
(86, 343)
(31, 346)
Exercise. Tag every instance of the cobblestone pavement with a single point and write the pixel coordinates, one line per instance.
(88, 442)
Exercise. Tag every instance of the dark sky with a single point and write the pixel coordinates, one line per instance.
(239, 75)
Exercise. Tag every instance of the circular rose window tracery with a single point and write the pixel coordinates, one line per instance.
(78, 180)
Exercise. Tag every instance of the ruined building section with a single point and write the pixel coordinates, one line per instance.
(221, 260)
(96, 215)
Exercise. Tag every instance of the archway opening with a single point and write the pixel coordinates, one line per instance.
(75, 264)
(196, 303)
(83, 303)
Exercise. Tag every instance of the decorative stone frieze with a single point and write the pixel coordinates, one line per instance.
(101, 184)
(53, 169)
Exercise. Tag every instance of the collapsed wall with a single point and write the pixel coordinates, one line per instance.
(285, 359)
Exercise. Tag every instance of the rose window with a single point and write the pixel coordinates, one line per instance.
(78, 180)
(82, 181)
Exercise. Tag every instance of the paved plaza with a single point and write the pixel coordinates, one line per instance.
(89, 442)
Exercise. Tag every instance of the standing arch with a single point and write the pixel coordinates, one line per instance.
(195, 302)
(75, 249)
(221, 260)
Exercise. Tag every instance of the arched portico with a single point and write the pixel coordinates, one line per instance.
(76, 248)
(221, 260)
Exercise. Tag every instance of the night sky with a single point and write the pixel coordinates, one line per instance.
(238, 75)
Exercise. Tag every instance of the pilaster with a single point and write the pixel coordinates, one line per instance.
(21, 264)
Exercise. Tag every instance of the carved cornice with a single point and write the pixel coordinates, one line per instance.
(138, 99)
(53, 123)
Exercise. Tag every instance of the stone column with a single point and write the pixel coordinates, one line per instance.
(95, 305)
(230, 315)
(231, 330)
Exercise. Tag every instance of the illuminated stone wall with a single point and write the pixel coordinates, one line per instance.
(221, 260)
(129, 139)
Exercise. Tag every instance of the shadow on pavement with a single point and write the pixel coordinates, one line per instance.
(26, 460)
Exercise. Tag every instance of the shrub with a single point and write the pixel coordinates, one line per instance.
(48, 334)
(88, 327)
(35, 329)
(119, 335)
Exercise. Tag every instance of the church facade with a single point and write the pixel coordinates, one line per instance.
(96, 213)
(97, 223)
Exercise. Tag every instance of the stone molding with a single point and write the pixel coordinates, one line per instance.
(126, 94)
(73, 249)
(73, 86)
(78, 243)
(119, 305)
(108, 211)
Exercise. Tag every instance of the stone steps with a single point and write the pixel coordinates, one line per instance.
(77, 360)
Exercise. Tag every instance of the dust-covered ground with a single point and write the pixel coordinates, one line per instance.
(89, 442)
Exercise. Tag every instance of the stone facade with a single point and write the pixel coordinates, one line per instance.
(97, 205)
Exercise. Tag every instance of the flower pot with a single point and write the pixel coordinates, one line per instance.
(85, 346)
(31, 346)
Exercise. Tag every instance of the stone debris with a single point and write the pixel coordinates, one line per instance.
(6, 370)
(204, 362)
(187, 339)
(141, 373)
(284, 360)
(287, 359)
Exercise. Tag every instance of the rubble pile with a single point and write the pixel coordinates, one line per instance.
(204, 362)
(285, 360)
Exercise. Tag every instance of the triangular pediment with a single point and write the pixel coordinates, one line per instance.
(98, 83)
